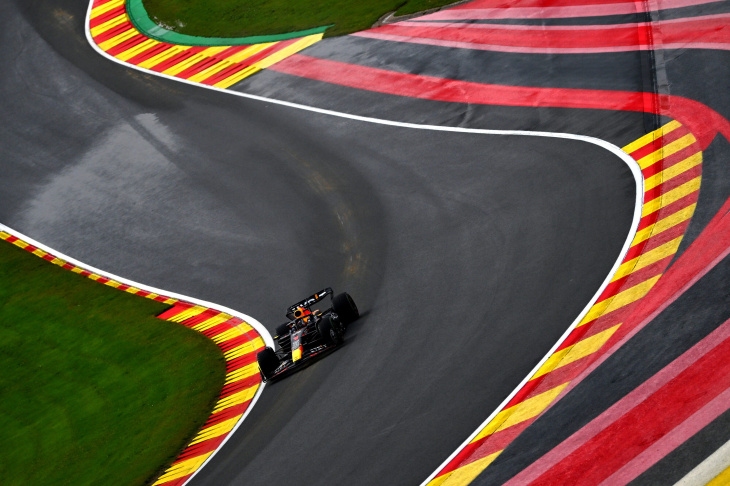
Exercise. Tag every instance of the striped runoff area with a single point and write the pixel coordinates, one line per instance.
(236, 338)
(671, 162)
(220, 66)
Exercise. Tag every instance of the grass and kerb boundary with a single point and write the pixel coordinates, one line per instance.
(95, 388)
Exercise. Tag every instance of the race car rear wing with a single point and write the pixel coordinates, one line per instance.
(309, 301)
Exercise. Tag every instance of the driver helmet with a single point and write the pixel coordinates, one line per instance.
(302, 313)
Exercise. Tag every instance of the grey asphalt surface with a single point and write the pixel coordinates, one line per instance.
(468, 255)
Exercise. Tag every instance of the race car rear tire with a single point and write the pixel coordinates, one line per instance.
(328, 331)
(345, 308)
(268, 362)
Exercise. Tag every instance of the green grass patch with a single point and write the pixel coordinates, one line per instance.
(241, 18)
(94, 390)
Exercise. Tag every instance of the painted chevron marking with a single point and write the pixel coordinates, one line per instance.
(668, 208)
(224, 66)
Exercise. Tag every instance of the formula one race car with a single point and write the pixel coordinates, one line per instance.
(307, 335)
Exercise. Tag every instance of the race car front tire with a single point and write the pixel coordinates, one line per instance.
(268, 362)
(345, 308)
(328, 330)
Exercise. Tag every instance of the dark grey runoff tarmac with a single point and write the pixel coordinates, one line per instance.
(469, 255)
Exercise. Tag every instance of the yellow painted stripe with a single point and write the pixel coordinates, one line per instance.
(250, 51)
(112, 283)
(231, 80)
(101, 9)
(242, 373)
(114, 41)
(519, 413)
(579, 350)
(40, 253)
(211, 70)
(669, 197)
(666, 150)
(673, 171)
(101, 28)
(651, 136)
(215, 431)
(302, 43)
(187, 313)
(182, 66)
(246, 348)
(619, 300)
(212, 322)
(226, 335)
(664, 224)
(20, 243)
(132, 290)
(183, 468)
(235, 399)
(647, 258)
(465, 474)
(104, 8)
(162, 56)
(722, 479)
(135, 50)
(244, 327)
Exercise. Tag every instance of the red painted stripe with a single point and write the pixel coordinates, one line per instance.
(148, 53)
(128, 44)
(226, 414)
(239, 385)
(702, 121)
(99, 3)
(478, 10)
(667, 210)
(684, 31)
(113, 32)
(199, 318)
(658, 143)
(240, 362)
(176, 309)
(179, 481)
(658, 239)
(641, 418)
(671, 160)
(201, 448)
(107, 16)
(661, 448)
(177, 58)
(673, 183)
(197, 67)
(478, 450)
(217, 329)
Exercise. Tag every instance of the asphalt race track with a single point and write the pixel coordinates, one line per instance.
(469, 255)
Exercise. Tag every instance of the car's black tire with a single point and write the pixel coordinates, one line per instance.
(268, 362)
(345, 308)
(282, 330)
(328, 330)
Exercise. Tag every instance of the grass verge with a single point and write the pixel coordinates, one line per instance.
(241, 18)
(93, 388)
